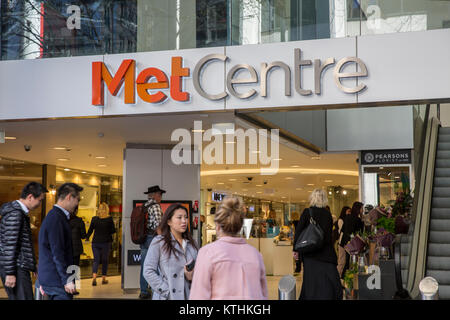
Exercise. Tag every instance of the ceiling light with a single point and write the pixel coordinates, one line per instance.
(10, 138)
(66, 169)
(83, 172)
(310, 184)
(244, 189)
(381, 168)
(329, 192)
(232, 179)
(328, 180)
(397, 177)
(222, 128)
(259, 185)
(230, 142)
(259, 192)
(344, 192)
(283, 197)
(295, 166)
(63, 159)
(289, 178)
(315, 158)
(59, 148)
(298, 189)
(102, 165)
(100, 157)
(220, 183)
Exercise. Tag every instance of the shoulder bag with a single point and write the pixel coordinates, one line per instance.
(311, 238)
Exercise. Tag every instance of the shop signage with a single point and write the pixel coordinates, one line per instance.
(217, 197)
(156, 80)
(134, 257)
(386, 157)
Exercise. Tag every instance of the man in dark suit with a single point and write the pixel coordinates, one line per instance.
(55, 245)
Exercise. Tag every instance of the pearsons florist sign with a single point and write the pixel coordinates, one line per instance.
(386, 157)
(154, 85)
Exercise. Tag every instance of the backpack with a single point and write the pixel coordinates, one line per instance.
(138, 224)
(335, 233)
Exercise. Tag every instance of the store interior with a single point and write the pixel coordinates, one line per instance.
(90, 152)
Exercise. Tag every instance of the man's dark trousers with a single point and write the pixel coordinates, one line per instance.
(23, 290)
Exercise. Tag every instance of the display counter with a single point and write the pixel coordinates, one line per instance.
(278, 259)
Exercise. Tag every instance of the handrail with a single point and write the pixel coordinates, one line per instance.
(428, 196)
(418, 251)
(401, 292)
(418, 176)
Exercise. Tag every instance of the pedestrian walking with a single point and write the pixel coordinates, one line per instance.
(229, 268)
(103, 228)
(320, 275)
(170, 257)
(55, 245)
(17, 256)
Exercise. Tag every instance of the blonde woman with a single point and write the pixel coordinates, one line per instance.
(320, 275)
(103, 226)
(229, 268)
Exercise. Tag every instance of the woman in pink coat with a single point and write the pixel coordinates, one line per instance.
(229, 268)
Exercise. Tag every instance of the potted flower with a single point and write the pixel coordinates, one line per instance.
(350, 283)
(401, 207)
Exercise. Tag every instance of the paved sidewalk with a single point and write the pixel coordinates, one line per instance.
(113, 289)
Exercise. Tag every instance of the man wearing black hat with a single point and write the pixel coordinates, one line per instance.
(154, 219)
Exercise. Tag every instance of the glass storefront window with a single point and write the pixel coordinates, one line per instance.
(97, 188)
(14, 175)
(381, 184)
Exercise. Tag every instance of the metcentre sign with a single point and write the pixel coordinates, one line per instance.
(150, 82)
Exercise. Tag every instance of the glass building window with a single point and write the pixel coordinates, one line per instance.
(32, 29)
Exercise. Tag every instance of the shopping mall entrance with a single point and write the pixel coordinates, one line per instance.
(313, 152)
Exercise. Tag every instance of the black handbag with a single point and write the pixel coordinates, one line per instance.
(311, 238)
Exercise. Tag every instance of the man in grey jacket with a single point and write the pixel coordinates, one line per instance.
(17, 258)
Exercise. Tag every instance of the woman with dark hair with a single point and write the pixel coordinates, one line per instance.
(352, 224)
(165, 266)
(341, 251)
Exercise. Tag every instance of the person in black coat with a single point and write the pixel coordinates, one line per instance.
(17, 257)
(104, 228)
(352, 225)
(78, 233)
(320, 275)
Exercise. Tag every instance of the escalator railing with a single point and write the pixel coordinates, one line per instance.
(416, 240)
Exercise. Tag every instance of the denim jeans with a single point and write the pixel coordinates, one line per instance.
(57, 293)
(144, 248)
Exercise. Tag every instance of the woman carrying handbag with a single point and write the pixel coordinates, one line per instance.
(320, 275)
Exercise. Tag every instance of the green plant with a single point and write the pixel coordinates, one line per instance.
(349, 277)
(387, 224)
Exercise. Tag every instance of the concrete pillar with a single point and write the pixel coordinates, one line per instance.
(144, 166)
